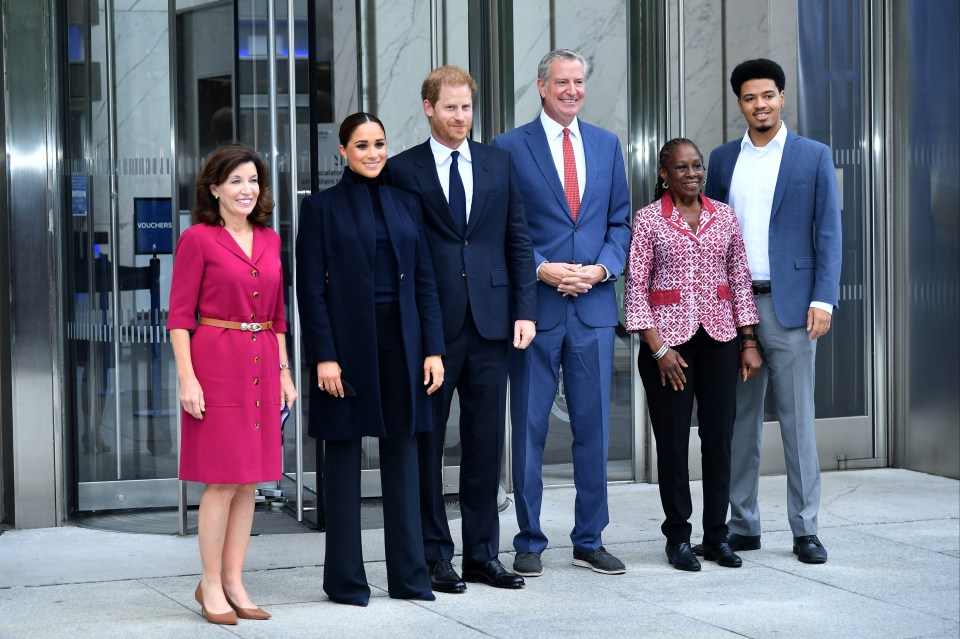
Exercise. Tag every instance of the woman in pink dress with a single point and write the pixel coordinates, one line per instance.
(228, 328)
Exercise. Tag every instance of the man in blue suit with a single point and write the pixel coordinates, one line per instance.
(575, 194)
(483, 260)
(783, 188)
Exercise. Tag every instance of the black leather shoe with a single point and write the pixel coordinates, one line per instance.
(722, 554)
(809, 550)
(681, 556)
(443, 578)
(493, 574)
(737, 543)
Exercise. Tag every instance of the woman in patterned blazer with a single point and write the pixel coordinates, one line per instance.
(688, 291)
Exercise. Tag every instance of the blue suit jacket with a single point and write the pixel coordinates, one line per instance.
(336, 246)
(601, 233)
(491, 265)
(805, 237)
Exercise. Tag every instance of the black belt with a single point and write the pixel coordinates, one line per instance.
(761, 288)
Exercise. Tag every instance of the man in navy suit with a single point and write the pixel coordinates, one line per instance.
(483, 260)
(783, 188)
(575, 194)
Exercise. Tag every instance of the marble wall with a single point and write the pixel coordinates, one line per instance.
(716, 37)
(598, 30)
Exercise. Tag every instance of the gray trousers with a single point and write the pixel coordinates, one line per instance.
(788, 364)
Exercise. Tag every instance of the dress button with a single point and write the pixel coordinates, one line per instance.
(256, 381)
(256, 360)
(256, 294)
(258, 403)
(257, 425)
(253, 315)
(255, 272)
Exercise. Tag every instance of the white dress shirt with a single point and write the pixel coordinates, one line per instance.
(441, 155)
(554, 131)
(751, 196)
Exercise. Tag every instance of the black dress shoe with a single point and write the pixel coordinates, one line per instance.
(809, 550)
(493, 574)
(681, 556)
(443, 578)
(737, 543)
(722, 554)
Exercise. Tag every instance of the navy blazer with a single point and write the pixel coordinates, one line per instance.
(336, 245)
(490, 266)
(601, 233)
(805, 234)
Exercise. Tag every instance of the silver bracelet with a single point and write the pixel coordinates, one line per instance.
(284, 366)
(660, 353)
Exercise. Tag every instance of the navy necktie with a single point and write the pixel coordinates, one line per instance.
(457, 197)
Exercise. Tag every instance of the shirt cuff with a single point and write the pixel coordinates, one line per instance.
(823, 306)
(538, 269)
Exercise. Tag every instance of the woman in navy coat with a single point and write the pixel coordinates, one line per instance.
(373, 338)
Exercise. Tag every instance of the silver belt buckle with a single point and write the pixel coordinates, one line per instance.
(253, 327)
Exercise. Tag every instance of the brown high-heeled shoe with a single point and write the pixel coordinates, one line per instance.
(219, 618)
(247, 613)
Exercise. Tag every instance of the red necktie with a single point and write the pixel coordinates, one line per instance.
(571, 188)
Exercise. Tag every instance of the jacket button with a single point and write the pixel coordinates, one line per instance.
(463, 273)
(255, 272)
(256, 381)
(402, 277)
(256, 294)
(466, 242)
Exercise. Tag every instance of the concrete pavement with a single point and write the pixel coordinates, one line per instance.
(894, 572)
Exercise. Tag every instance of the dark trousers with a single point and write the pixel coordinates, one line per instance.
(712, 376)
(477, 369)
(344, 579)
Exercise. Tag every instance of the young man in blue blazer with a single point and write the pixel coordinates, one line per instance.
(575, 194)
(483, 261)
(783, 188)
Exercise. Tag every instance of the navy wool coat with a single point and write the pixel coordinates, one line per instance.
(336, 245)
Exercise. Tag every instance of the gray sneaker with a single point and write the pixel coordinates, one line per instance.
(599, 561)
(527, 564)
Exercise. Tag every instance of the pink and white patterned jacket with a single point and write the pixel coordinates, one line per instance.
(678, 279)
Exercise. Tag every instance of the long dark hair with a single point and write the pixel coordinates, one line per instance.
(352, 121)
(216, 170)
(665, 151)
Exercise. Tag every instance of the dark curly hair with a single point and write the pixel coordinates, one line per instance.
(665, 152)
(759, 69)
(216, 170)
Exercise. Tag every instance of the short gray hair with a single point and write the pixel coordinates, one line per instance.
(543, 71)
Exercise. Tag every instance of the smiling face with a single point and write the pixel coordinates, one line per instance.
(451, 117)
(563, 91)
(366, 150)
(760, 103)
(237, 195)
(683, 172)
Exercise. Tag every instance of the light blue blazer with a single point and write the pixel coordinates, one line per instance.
(601, 233)
(805, 237)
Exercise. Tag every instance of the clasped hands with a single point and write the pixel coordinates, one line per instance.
(571, 279)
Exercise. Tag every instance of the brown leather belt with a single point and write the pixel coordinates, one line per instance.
(253, 327)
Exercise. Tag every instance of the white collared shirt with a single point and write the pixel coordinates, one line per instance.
(751, 196)
(554, 131)
(441, 155)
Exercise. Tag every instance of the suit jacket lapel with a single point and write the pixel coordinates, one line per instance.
(787, 162)
(540, 150)
(591, 154)
(429, 183)
(481, 172)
